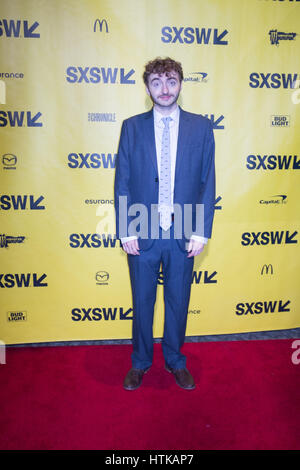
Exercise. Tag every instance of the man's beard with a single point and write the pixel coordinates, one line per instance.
(167, 104)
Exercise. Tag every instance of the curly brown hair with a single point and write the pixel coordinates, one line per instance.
(161, 66)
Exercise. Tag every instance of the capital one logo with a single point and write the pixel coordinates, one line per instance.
(18, 29)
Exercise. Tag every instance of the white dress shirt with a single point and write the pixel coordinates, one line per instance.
(158, 130)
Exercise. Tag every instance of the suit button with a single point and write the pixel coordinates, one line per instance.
(156, 180)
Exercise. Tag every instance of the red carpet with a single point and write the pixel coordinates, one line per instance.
(247, 397)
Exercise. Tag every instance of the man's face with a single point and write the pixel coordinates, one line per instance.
(164, 88)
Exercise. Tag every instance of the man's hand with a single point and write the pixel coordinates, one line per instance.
(131, 247)
(194, 248)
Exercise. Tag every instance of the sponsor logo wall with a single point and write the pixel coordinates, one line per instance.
(70, 73)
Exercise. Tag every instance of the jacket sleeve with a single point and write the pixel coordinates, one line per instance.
(208, 195)
(122, 179)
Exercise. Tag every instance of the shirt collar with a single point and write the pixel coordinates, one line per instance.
(158, 117)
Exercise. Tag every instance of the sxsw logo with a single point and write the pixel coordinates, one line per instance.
(216, 121)
(22, 280)
(189, 35)
(269, 238)
(91, 160)
(18, 29)
(20, 119)
(274, 80)
(105, 75)
(93, 240)
(100, 23)
(273, 162)
(270, 306)
(203, 277)
(21, 202)
(103, 313)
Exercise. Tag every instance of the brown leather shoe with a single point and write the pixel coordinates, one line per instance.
(182, 377)
(134, 378)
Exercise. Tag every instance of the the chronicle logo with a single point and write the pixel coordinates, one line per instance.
(276, 36)
(189, 35)
(9, 161)
(17, 316)
(273, 162)
(101, 313)
(267, 306)
(284, 237)
(102, 117)
(277, 200)
(100, 23)
(20, 119)
(21, 202)
(5, 240)
(18, 29)
(92, 160)
(105, 75)
(196, 77)
(274, 80)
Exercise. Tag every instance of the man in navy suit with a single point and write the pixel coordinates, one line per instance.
(164, 201)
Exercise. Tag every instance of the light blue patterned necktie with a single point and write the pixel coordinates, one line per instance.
(164, 201)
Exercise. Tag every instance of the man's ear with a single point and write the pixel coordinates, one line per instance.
(147, 90)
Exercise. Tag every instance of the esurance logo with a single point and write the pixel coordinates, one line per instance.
(105, 75)
(274, 80)
(18, 29)
(182, 35)
(20, 119)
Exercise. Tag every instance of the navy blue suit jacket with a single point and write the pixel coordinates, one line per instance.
(137, 175)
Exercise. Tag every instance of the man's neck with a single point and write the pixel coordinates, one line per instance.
(165, 111)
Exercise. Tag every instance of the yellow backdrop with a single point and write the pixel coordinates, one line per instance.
(71, 71)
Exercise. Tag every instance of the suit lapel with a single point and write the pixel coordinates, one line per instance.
(183, 138)
(150, 138)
